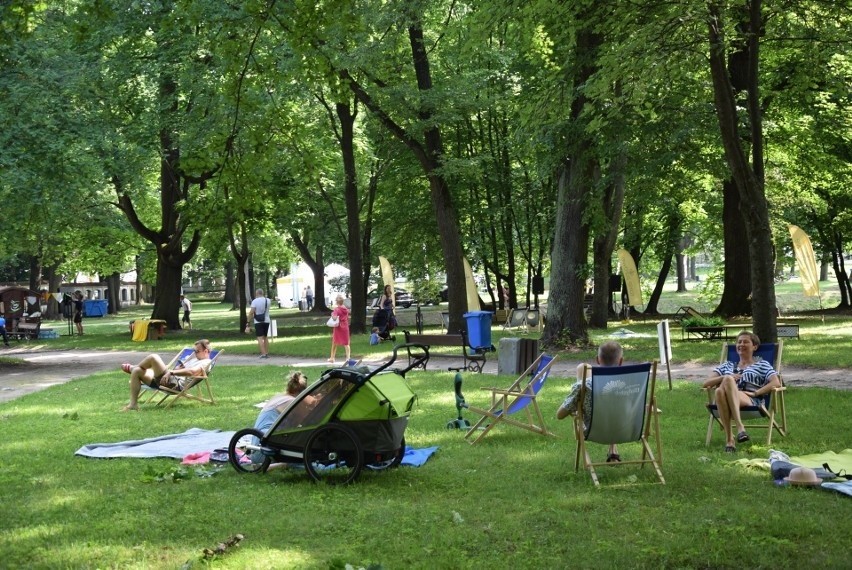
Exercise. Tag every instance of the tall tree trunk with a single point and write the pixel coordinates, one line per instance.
(358, 318)
(748, 177)
(565, 319)
(736, 291)
(604, 242)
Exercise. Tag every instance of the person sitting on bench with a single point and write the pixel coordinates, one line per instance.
(153, 372)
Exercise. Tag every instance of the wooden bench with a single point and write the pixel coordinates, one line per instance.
(25, 330)
(474, 360)
(784, 330)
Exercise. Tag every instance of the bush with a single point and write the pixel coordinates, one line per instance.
(711, 321)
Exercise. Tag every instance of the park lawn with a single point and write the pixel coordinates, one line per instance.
(511, 501)
(826, 342)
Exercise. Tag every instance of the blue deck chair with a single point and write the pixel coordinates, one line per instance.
(772, 412)
(196, 388)
(623, 410)
(514, 400)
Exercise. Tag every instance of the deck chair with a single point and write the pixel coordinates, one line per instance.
(197, 387)
(516, 399)
(517, 319)
(771, 414)
(685, 312)
(533, 320)
(624, 410)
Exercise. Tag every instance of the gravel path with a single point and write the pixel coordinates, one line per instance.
(47, 368)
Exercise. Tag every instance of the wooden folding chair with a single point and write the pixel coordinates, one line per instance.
(623, 410)
(195, 387)
(514, 399)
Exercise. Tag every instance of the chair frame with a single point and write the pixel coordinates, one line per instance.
(775, 410)
(651, 426)
(517, 320)
(502, 401)
(195, 388)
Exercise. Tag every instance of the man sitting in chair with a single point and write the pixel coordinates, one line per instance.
(153, 372)
(610, 353)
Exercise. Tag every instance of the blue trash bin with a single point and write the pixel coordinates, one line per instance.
(478, 328)
(95, 307)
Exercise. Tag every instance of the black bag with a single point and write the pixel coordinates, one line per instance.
(261, 317)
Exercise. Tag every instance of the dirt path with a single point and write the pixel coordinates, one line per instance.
(42, 369)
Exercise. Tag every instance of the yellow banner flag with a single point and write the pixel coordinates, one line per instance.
(631, 277)
(806, 260)
(387, 277)
(470, 287)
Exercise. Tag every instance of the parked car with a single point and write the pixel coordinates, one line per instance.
(404, 299)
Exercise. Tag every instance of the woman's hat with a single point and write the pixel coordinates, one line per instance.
(803, 476)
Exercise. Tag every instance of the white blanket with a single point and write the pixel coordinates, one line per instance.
(177, 445)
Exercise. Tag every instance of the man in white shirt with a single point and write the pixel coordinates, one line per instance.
(186, 305)
(153, 372)
(259, 315)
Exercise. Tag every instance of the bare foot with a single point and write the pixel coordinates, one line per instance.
(129, 408)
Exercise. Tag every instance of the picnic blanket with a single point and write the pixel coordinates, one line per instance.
(177, 445)
(198, 443)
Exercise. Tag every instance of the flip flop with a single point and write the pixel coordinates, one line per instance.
(742, 437)
(127, 367)
(730, 449)
(613, 458)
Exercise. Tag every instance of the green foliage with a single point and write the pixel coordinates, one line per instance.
(706, 321)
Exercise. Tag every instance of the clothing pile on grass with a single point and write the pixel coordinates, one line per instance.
(828, 470)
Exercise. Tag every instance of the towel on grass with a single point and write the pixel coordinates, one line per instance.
(177, 445)
(417, 457)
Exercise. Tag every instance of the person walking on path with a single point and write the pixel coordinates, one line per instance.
(186, 305)
(3, 331)
(309, 297)
(259, 314)
(340, 333)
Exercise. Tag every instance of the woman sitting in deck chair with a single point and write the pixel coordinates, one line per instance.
(741, 384)
(153, 372)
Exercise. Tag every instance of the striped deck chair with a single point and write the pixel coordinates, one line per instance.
(771, 414)
(623, 410)
(515, 401)
(196, 388)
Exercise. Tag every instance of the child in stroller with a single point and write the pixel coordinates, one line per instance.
(383, 323)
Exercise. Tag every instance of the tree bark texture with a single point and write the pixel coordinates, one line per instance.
(736, 291)
(754, 206)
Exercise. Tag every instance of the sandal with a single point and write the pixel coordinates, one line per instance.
(730, 449)
(742, 437)
(127, 367)
(613, 458)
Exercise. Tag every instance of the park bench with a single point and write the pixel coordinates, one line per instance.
(473, 360)
(25, 331)
(784, 330)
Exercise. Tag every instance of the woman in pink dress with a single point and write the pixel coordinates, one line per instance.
(340, 333)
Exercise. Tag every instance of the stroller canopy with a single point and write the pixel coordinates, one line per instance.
(383, 397)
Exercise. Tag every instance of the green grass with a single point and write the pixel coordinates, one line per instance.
(519, 501)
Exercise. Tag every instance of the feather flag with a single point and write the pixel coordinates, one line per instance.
(387, 276)
(631, 277)
(806, 260)
(470, 287)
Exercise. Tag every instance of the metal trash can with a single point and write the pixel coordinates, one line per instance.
(478, 328)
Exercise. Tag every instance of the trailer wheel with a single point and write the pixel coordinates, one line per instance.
(244, 452)
(333, 454)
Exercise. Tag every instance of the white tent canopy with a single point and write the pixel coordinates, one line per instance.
(290, 289)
